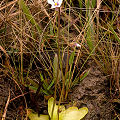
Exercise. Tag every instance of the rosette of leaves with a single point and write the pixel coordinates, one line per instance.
(72, 113)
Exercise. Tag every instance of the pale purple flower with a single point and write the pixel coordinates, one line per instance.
(74, 44)
(55, 3)
(77, 45)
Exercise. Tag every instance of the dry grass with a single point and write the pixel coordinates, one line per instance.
(28, 41)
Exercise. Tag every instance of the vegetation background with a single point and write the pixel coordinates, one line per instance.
(29, 59)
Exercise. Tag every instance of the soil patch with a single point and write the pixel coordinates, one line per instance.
(93, 92)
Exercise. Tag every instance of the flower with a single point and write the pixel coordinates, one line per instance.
(55, 3)
(77, 45)
(74, 44)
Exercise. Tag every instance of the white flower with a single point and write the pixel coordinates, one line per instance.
(74, 44)
(77, 45)
(55, 3)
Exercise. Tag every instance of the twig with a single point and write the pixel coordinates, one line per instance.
(6, 106)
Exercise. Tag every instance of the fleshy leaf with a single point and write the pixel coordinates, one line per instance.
(73, 113)
(34, 116)
(55, 109)
(50, 109)
(82, 112)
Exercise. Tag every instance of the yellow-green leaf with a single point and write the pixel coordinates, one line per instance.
(52, 109)
(82, 112)
(51, 104)
(34, 116)
(73, 113)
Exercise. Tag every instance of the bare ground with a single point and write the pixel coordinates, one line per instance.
(92, 92)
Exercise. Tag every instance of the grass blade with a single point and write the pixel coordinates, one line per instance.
(29, 16)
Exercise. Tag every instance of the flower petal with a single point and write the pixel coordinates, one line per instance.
(78, 45)
(56, 1)
(60, 2)
(50, 2)
(53, 6)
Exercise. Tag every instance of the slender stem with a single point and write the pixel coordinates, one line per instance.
(57, 79)
(58, 35)
(58, 41)
(58, 48)
(59, 61)
(68, 47)
(67, 62)
(21, 49)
